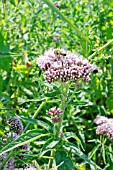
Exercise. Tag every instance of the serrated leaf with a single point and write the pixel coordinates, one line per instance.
(34, 100)
(51, 143)
(37, 122)
(53, 93)
(69, 146)
(102, 110)
(62, 157)
(94, 150)
(24, 139)
(81, 103)
(69, 135)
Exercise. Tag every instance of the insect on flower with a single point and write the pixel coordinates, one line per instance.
(59, 53)
(64, 66)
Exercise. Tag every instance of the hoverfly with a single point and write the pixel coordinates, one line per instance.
(59, 53)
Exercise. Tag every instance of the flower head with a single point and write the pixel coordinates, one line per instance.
(55, 114)
(15, 125)
(9, 137)
(105, 126)
(55, 38)
(101, 119)
(61, 65)
(56, 5)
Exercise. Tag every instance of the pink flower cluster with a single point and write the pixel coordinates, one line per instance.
(105, 126)
(55, 114)
(64, 66)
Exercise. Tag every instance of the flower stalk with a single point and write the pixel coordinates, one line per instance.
(58, 128)
(100, 49)
(35, 114)
(64, 89)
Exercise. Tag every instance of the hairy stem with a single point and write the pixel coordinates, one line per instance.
(64, 89)
(51, 160)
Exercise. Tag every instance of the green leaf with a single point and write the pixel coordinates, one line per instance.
(5, 62)
(103, 153)
(111, 61)
(81, 103)
(51, 143)
(34, 100)
(45, 148)
(68, 135)
(1, 82)
(5, 58)
(109, 103)
(102, 110)
(62, 158)
(12, 2)
(53, 94)
(37, 122)
(51, 5)
(4, 47)
(94, 150)
(69, 146)
(24, 139)
(81, 167)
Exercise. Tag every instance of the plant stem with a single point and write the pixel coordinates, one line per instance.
(36, 113)
(52, 6)
(101, 48)
(64, 89)
(51, 160)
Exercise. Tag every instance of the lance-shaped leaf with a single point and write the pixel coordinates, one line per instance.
(63, 160)
(69, 146)
(51, 5)
(68, 135)
(38, 122)
(49, 145)
(24, 139)
(5, 59)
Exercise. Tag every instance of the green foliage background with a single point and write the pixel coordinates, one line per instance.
(27, 29)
